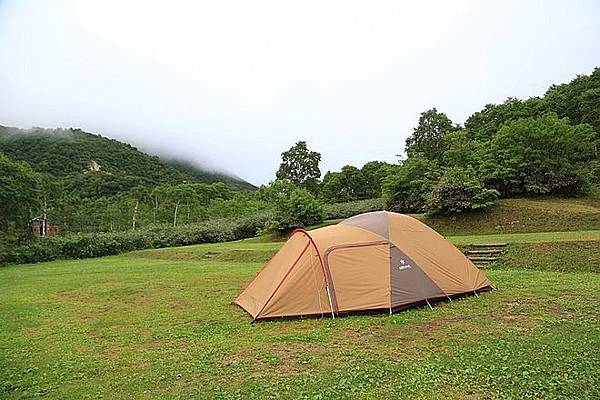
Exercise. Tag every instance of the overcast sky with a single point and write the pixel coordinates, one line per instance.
(231, 84)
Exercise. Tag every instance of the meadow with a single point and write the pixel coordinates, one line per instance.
(118, 268)
(159, 324)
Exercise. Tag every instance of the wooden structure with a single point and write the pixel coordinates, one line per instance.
(41, 228)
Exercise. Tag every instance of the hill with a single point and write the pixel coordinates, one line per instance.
(75, 153)
(197, 174)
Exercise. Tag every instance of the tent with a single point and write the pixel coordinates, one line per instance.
(372, 261)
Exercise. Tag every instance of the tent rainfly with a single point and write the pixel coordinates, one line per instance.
(374, 261)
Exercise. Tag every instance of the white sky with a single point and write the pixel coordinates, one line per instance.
(231, 84)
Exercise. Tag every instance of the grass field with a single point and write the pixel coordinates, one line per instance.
(523, 215)
(159, 324)
(527, 215)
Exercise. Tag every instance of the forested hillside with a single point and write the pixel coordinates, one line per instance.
(74, 153)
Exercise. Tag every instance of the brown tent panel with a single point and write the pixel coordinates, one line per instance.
(373, 261)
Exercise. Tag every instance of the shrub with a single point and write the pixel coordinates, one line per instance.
(299, 208)
(459, 190)
(104, 244)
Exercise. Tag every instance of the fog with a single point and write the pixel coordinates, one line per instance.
(230, 85)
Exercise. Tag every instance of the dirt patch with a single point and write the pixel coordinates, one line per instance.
(178, 304)
(278, 359)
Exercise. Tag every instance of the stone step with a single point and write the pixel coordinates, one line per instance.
(489, 251)
(493, 245)
(482, 259)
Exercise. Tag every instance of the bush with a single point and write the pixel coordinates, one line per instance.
(351, 208)
(299, 208)
(157, 236)
(407, 190)
(459, 190)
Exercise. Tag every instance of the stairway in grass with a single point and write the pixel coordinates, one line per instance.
(482, 254)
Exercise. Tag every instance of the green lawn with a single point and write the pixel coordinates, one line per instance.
(544, 214)
(530, 237)
(507, 216)
(259, 249)
(566, 256)
(159, 324)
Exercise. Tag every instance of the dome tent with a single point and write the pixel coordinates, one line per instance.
(372, 261)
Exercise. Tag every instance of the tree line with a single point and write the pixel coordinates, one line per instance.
(545, 145)
(538, 146)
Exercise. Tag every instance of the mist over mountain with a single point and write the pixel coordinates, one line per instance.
(63, 152)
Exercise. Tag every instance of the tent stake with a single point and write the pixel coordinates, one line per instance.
(390, 310)
(475, 291)
(449, 298)
(431, 308)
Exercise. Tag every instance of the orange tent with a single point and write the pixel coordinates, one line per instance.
(373, 261)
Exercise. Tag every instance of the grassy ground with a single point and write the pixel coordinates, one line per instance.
(530, 237)
(542, 214)
(159, 324)
(569, 256)
(523, 215)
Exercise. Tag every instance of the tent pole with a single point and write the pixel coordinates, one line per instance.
(330, 302)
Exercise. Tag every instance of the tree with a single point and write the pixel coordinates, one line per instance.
(158, 196)
(426, 140)
(332, 188)
(19, 196)
(407, 190)
(374, 173)
(461, 150)
(540, 155)
(344, 186)
(458, 190)
(50, 193)
(294, 206)
(578, 100)
(138, 194)
(300, 166)
(176, 195)
(484, 124)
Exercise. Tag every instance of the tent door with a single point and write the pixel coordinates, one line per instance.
(360, 275)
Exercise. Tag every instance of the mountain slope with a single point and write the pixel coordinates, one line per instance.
(63, 152)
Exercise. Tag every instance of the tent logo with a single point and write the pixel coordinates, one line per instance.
(403, 265)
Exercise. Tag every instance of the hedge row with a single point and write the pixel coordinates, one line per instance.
(351, 208)
(105, 244)
(90, 245)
